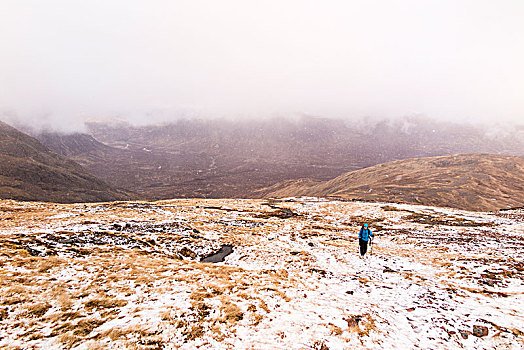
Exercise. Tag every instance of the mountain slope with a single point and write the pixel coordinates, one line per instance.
(468, 181)
(71, 145)
(30, 171)
(223, 158)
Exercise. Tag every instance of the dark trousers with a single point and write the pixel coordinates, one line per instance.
(363, 246)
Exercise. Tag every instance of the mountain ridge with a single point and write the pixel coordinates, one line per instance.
(482, 182)
(30, 171)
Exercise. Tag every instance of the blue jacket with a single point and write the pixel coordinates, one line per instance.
(365, 233)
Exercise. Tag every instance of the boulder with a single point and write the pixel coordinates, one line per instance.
(480, 331)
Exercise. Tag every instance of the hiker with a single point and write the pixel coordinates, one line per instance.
(364, 236)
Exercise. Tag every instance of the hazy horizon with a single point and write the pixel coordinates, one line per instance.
(64, 62)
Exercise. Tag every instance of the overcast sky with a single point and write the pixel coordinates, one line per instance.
(65, 61)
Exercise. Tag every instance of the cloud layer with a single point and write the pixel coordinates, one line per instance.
(63, 61)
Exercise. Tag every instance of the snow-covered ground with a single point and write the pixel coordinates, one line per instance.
(128, 275)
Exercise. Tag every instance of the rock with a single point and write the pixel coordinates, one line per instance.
(388, 269)
(117, 227)
(353, 320)
(188, 253)
(320, 345)
(349, 292)
(480, 331)
(34, 252)
(464, 334)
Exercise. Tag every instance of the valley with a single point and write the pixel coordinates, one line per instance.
(227, 158)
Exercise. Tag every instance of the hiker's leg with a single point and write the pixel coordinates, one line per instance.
(363, 246)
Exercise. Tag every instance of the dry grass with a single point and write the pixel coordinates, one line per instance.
(360, 324)
(65, 301)
(69, 340)
(63, 316)
(104, 302)
(217, 332)
(278, 292)
(264, 306)
(199, 296)
(194, 332)
(3, 314)
(85, 326)
(49, 263)
(335, 330)
(231, 313)
(37, 310)
(113, 334)
(257, 318)
(95, 345)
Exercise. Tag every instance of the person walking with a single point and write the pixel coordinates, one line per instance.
(364, 237)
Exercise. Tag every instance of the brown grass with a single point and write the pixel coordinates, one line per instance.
(218, 335)
(360, 324)
(68, 340)
(104, 303)
(264, 306)
(63, 316)
(36, 336)
(257, 318)
(199, 296)
(16, 290)
(85, 326)
(231, 313)
(194, 332)
(65, 301)
(95, 345)
(37, 310)
(49, 263)
(3, 314)
(113, 334)
(335, 330)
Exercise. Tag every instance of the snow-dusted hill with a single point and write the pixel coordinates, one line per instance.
(128, 275)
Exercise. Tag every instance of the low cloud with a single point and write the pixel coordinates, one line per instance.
(64, 62)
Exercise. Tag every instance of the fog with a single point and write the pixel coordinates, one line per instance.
(63, 62)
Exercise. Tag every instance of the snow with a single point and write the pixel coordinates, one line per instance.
(297, 282)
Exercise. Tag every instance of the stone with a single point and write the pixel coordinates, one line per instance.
(480, 331)
(464, 334)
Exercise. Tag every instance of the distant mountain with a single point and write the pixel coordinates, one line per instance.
(234, 158)
(30, 171)
(480, 182)
(71, 145)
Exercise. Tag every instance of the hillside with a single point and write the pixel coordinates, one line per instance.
(131, 275)
(71, 145)
(468, 181)
(224, 158)
(30, 171)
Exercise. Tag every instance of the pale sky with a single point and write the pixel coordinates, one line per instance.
(65, 61)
